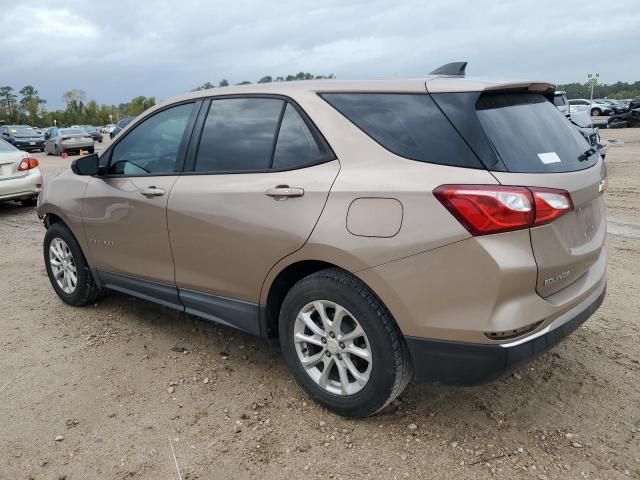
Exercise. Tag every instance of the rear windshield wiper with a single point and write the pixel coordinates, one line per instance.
(585, 155)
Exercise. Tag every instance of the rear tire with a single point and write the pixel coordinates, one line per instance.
(377, 381)
(67, 255)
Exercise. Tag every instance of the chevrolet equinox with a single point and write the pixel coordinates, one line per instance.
(442, 227)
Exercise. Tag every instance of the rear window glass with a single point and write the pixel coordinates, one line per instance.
(559, 101)
(531, 135)
(6, 147)
(71, 131)
(22, 131)
(409, 125)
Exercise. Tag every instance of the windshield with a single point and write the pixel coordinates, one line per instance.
(23, 131)
(531, 135)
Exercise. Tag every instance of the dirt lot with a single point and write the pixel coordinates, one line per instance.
(107, 383)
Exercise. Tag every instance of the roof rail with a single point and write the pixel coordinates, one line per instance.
(453, 68)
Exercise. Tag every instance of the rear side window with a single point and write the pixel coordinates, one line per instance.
(531, 135)
(296, 146)
(238, 135)
(409, 125)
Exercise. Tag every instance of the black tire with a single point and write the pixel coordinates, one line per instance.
(86, 290)
(91, 150)
(391, 368)
(29, 202)
(596, 112)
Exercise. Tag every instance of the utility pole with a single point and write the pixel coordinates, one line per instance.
(592, 81)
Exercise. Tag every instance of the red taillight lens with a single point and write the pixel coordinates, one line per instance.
(487, 209)
(27, 164)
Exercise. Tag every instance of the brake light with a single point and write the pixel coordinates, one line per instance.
(487, 209)
(27, 164)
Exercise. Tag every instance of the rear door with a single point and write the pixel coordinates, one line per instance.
(540, 148)
(261, 176)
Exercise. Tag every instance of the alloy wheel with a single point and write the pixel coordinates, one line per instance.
(332, 347)
(63, 266)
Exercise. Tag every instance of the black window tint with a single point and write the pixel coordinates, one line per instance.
(531, 135)
(238, 135)
(152, 147)
(409, 125)
(296, 145)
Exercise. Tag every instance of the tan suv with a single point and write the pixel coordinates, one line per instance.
(444, 226)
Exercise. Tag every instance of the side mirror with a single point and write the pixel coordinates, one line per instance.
(87, 165)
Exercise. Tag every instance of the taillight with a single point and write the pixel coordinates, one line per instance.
(27, 164)
(487, 209)
(65, 138)
(87, 136)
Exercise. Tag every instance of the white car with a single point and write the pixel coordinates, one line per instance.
(584, 105)
(20, 175)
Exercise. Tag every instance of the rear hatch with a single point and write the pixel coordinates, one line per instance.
(524, 140)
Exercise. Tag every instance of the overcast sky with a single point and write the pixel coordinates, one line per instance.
(115, 50)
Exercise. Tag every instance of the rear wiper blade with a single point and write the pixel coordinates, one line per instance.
(585, 155)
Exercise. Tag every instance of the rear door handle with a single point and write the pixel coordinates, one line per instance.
(152, 192)
(284, 191)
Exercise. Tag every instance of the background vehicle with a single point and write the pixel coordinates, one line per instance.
(560, 101)
(93, 131)
(579, 105)
(121, 124)
(20, 176)
(65, 140)
(583, 122)
(23, 137)
(612, 104)
(375, 228)
(108, 128)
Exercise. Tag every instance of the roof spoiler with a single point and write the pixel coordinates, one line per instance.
(453, 68)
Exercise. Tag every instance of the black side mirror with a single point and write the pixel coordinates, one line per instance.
(87, 165)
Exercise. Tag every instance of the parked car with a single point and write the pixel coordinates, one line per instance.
(612, 104)
(581, 104)
(108, 128)
(93, 131)
(120, 125)
(560, 101)
(583, 122)
(376, 229)
(23, 137)
(67, 140)
(20, 176)
(634, 103)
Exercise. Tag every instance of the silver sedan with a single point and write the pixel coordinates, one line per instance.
(20, 176)
(64, 140)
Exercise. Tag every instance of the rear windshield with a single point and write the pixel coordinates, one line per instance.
(409, 125)
(6, 147)
(559, 101)
(531, 136)
(22, 131)
(71, 131)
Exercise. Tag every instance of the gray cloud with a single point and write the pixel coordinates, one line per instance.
(119, 49)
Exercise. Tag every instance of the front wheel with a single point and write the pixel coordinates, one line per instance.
(342, 345)
(67, 268)
(595, 112)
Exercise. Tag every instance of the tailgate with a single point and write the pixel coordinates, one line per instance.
(539, 147)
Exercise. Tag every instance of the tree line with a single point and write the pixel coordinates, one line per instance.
(616, 90)
(26, 106)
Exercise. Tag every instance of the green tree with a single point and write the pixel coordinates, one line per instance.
(244, 82)
(266, 79)
(223, 83)
(31, 103)
(8, 103)
(75, 100)
(204, 86)
(140, 104)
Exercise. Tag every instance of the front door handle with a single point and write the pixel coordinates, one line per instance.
(282, 192)
(152, 192)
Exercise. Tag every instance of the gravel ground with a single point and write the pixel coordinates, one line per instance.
(104, 392)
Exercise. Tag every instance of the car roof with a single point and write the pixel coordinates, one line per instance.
(433, 84)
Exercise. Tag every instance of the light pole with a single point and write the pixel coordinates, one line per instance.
(592, 81)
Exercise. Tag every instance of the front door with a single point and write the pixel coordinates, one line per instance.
(260, 181)
(124, 212)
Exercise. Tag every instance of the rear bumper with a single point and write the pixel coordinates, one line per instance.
(459, 363)
(21, 187)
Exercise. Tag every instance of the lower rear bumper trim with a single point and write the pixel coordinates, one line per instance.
(459, 363)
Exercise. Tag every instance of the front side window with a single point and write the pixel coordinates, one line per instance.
(153, 146)
(238, 135)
